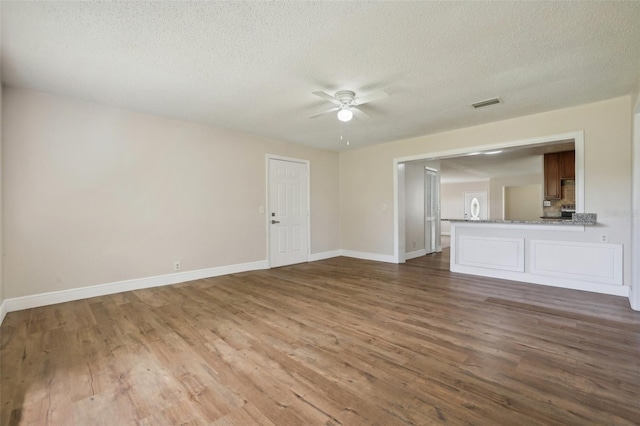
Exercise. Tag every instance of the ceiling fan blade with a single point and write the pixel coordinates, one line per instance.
(360, 113)
(325, 112)
(327, 97)
(370, 98)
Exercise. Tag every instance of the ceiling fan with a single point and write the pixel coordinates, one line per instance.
(347, 104)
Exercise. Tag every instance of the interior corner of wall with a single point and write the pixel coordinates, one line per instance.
(634, 298)
(635, 97)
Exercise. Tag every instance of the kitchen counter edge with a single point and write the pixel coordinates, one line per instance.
(527, 222)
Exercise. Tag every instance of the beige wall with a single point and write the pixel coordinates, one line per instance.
(452, 200)
(96, 195)
(523, 202)
(496, 185)
(366, 174)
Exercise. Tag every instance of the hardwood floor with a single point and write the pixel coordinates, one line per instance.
(335, 342)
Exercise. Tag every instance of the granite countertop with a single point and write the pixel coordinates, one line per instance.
(578, 219)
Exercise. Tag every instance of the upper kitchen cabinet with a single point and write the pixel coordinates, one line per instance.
(557, 167)
(567, 164)
(552, 176)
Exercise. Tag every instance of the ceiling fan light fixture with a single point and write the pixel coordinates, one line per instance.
(345, 114)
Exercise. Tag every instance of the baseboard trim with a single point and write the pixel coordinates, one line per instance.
(414, 254)
(369, 256)
(3, 310)
(526, 278)
(51, 298)
(324, 255)
(634, 299)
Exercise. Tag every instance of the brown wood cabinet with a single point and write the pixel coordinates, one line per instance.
(567, 165)
(557, 167)
(552, 176)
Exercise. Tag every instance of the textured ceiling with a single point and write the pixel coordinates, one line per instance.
(251, 66)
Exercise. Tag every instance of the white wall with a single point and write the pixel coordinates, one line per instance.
(452, 200)
(95, 195)
(367, 174)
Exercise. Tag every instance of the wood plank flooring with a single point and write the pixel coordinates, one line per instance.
(335, 342)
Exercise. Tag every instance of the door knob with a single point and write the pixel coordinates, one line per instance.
(273, 222)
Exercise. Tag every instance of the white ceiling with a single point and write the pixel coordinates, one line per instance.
(510, 162)
(251, 66)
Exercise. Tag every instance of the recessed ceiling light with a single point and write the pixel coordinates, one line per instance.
(492, 152)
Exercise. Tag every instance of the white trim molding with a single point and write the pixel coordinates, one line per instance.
(54, 297)
(634, 299)
(578, 261)
(506, 254)
(414, 254)
(3, 311)
(524, 278)
(634, 295)
(369, 256)
(324, 255)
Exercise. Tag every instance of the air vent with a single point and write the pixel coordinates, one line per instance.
(486, 103)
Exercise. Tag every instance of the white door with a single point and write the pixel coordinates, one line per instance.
(288, 213)
(430, 210)
(475, 205)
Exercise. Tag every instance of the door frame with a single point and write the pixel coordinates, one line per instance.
(398, 209)
(634, 294)
(436, 200)
(267, 221)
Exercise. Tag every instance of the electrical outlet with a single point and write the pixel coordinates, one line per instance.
(604, 238)
(176, 265)
(546, 203)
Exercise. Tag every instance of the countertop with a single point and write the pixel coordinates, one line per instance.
(554, 222)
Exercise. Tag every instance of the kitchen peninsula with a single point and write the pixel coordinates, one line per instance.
(544, 252)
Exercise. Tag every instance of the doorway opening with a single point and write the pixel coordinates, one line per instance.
(421, 210)
(485, 152)
(431, 211)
